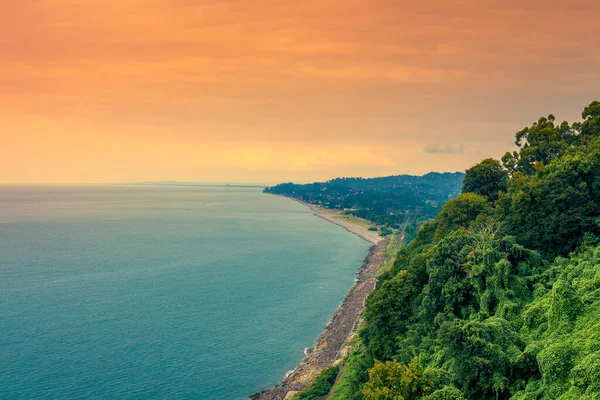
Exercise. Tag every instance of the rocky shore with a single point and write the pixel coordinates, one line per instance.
(331, 346)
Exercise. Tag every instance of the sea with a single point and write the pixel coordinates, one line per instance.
(162, 292)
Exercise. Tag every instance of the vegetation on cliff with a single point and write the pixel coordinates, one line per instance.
(498, 297)
(320, 386)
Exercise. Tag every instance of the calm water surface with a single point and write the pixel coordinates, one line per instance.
(140, 292)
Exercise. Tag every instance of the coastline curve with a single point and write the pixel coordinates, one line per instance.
(332, 345)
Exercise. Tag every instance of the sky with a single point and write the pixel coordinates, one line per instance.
(263, 91)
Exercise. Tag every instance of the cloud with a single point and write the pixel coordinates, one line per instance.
(447, 149)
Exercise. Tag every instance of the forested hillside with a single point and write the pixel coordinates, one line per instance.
(391, 200)
(498, 297)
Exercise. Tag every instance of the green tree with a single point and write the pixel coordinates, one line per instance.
(590, 127)
(542, 142)
(482, 353)
(553, 209)
(387, 313)
(395, 381)
(486, 179)
(459, 213)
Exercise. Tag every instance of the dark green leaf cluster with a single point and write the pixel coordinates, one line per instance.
(553, 208)
(487, 179)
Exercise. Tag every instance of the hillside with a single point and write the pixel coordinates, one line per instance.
(498, 297)
(389, 201)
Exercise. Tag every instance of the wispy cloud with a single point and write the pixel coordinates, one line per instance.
(447, 149)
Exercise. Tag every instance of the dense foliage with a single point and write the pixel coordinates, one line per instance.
(355, 374)
(390, 201)
(321, 385)
(498, 297)
(487, 179)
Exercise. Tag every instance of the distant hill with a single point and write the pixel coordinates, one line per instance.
(390, 200)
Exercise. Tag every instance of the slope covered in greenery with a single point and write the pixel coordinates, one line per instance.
(391, 200)
(498, 297)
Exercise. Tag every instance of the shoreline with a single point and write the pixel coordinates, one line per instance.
(332, 345)
(330, 216)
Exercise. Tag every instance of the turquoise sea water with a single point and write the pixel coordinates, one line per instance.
(141, 292)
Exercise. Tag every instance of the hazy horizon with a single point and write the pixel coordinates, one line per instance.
(209, 183)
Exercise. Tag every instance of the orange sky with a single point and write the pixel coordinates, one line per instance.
(280, 90)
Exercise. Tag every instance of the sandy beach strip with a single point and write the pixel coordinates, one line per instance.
(335, 216)
(331, 346)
